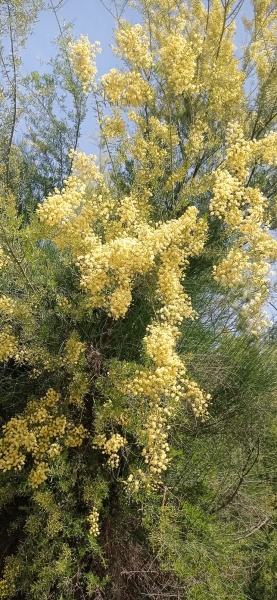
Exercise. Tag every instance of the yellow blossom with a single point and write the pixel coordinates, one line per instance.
(82, 55)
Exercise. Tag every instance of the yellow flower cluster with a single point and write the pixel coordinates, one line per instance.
(60, 206)
(239, 151)
(263, 29)
(195, 143)
(167, 379)
(133, 45)
(242, 208)
(126, 89)
(228, 198)
(82, 56)
(176, 304)
(62, 303)
(93, 519)
(111, 447)
(38, 474)
(266, 148)
(198, 400)
(113, 127)
(8, 345)
(54, 450)
(7, 305)
(37, 432)
(224, 75)
(156, 449)
(152, 146)
(84, 201)
(73, 352)
(85, 168)
(115, 265)
(164, 385)
(230, 269)
(75, 435)
(178, 63)
(17, 437)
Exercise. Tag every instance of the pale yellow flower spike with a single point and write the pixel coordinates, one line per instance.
(82, 55)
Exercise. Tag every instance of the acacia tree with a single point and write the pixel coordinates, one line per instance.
(106, 371)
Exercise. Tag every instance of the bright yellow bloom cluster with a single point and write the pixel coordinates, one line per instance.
(164, 385)
(8, 345)
(38, 474)
(73, 352)
(126, 89)
(156, 449)
(36, 432)
(85, 168)
(196, 140)
(133, 45)
(152, 147)
(195, 396)
(82, 55)
(60, 206)
(230, 268)
(116, 263)
(84, 201)
(242, 208)
(178, 63)
(228, 198)
(93, 519)
(239, 151)
(113, 266)
(111, 447)
(261, 52)
(7, 305)
(266, 148)
(75, 434)
(114, 126)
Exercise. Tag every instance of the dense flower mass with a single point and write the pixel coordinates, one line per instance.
(133, 45)
(178, 62)
(38, 432)
(82, 55)
(110, 264)
(93, 520)
(8, 344)
(114, 239)
(243, 210)
(126, 89)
